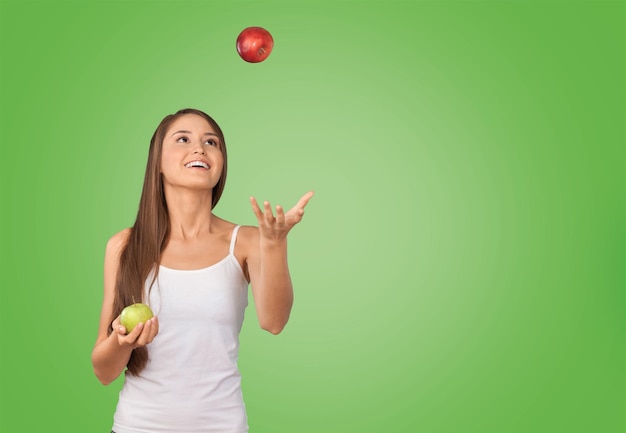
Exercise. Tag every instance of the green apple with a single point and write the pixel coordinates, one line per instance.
(135, 314)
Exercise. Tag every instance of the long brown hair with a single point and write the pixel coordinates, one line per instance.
(150, 233)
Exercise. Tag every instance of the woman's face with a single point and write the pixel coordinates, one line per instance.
(191, 155)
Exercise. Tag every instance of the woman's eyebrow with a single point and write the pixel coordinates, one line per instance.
(182, 131)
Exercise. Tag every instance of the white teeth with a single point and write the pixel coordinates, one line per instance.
(197, 164)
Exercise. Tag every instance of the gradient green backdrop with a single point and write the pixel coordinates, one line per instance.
(462, 266)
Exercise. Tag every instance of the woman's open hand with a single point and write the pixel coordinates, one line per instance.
(276, 228)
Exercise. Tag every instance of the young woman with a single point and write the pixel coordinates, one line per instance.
(193, 269)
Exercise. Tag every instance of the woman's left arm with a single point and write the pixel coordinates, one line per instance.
(267, 263)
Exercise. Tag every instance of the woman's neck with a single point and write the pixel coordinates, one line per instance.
(189, 212)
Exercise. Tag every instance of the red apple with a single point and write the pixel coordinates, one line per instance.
(254, 44)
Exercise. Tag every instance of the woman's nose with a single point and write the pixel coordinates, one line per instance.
(199, 149)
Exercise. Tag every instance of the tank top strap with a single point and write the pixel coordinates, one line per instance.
(233, 238)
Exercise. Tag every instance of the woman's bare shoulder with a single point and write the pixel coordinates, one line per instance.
(245, 232)
(247, 239)
(118, 240)
(248, 233)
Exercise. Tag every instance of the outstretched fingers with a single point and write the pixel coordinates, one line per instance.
(256, 209)
(269, 216)
(280, 215)
(266, 215)
(296, 213)
(304, 200)
(283, 221)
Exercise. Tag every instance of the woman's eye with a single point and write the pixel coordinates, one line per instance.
(211, 142)
(182, 140)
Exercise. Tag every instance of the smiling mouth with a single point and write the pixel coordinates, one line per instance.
(197, 164)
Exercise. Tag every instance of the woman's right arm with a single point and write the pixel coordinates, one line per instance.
(112, 351)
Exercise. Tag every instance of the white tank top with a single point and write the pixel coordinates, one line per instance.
(191, 382)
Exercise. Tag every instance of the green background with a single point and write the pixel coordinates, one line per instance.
(462, 266)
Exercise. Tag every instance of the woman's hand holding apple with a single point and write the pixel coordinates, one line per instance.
(140, 336)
